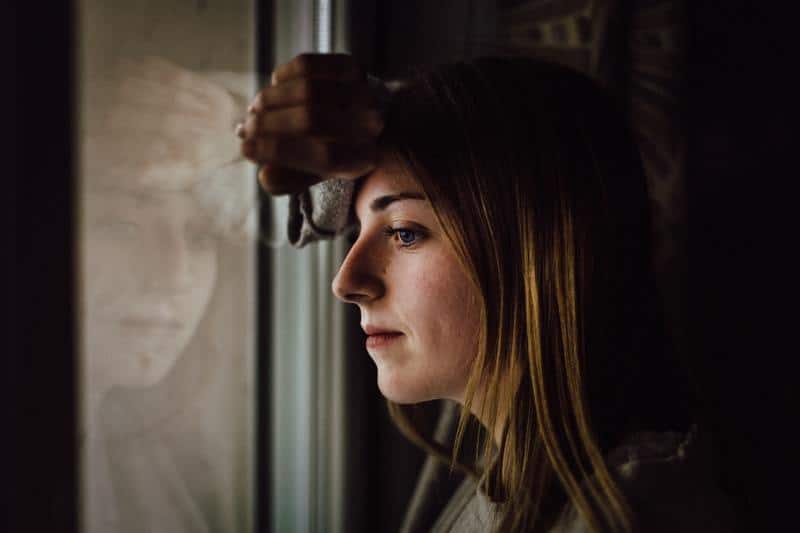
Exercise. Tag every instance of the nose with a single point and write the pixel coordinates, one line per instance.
(358, 280)
(171, 262)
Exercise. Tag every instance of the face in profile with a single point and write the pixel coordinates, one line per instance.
(403, 274)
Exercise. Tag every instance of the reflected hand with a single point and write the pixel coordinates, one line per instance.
(315, 122)
(160, 125)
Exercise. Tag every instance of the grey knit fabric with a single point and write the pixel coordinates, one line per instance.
(322, 211)
(319, 212)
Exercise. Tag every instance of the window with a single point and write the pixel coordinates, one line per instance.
(167, 219)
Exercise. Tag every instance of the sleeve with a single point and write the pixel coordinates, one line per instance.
(323, 210)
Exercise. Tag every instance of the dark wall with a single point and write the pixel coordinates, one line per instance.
(737, 175)
(39, 365)
(8, 220)
(390, 36)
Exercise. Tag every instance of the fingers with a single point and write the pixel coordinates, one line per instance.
(333, 93)
(317, 120)
(323, 159)
(325, 124)
(324, 108)
(310, 65)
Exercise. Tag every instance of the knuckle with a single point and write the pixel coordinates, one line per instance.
(250, 126)
(271, 98)
(260, 101)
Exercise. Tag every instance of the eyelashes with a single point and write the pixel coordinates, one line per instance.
(407, 237)
(404, 236)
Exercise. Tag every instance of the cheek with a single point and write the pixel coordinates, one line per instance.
(204, 278)
(444, 311)
(107, 275)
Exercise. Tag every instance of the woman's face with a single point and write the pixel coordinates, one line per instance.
(150, 260)
(150, 268)
(404, 276)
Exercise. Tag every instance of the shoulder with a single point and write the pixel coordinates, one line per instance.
(669, 483)
(468, 511)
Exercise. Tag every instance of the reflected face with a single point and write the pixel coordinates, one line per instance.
(405, 278)
(150, 268)
(155, 130)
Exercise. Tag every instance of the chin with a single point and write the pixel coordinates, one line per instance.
(143, 380)
(401, 391)
(149, 371)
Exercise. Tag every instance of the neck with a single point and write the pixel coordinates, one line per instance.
(478, 406)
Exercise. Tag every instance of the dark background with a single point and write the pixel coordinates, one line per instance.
(738, 290)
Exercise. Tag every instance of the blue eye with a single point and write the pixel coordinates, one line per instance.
(407, 237)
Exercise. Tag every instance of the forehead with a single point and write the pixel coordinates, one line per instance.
(385, 179)
(127, 200)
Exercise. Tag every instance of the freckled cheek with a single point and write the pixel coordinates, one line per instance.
(441, 313)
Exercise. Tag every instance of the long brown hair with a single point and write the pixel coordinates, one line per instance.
(539, 186)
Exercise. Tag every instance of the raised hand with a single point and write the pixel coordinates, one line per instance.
(317, 120)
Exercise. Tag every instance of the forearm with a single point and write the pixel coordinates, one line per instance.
(322, 210)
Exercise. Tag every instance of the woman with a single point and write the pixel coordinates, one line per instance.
(502, 261)
(164, 271)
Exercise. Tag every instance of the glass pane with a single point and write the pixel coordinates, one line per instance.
(167, 256)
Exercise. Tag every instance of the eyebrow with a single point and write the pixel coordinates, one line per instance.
(141, 198)
(382, 202)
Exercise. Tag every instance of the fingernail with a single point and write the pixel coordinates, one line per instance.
(273, 80)
(251, 109)
(240, 130)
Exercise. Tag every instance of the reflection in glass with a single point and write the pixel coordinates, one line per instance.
(167, 249)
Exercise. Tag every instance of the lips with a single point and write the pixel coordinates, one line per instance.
(384, 339)
(150, 322)
(369, 329)
(378, 336)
